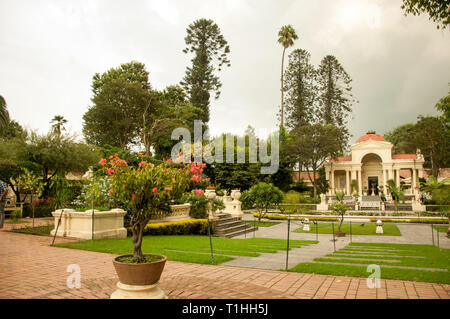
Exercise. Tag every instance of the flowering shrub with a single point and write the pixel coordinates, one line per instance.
(95, 192)
(148, 189)
(199, 204)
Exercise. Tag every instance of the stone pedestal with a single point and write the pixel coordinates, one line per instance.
(232, 204)
(417, 206)
(107, 224)
(379, 230)
(323, 206)
(138, 292)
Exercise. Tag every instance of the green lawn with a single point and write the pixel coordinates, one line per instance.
(420, 256)
(39, 230)
(441, 228)
(261, 224)
(357, 229)
(191, 248)
(13, 222)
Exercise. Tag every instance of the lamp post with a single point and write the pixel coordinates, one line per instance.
(210, 195)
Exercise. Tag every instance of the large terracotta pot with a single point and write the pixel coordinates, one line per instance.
(139, 274)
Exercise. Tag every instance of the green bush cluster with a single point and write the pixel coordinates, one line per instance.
(183, 227)
(413, 221)
(281, 217)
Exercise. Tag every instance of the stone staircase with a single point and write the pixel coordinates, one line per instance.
(227, 226)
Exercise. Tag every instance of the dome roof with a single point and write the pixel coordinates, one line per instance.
(371, 135)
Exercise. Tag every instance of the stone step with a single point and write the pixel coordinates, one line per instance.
(240, 232)
(232, 229)
(228, 224)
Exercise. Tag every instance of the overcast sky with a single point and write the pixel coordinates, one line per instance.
(49, 51)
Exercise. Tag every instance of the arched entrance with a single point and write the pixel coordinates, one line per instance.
(371, 173)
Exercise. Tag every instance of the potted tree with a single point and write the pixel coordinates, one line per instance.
(262, 196)
(145, 190)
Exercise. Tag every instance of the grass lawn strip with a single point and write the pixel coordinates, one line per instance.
(361, 271)
(357, 229)
(262, 223)
(377, 255)
(388, 266)
(189, 248)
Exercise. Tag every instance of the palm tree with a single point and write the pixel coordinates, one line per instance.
(396, 191)
(439, 192)
(286, 37)
(59, 121)
(4, 115)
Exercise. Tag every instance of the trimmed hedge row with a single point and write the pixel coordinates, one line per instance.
(280, 217)
(183, 227)
(413, 221)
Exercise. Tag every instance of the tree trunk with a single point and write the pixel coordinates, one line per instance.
(138, 232)
(282, 89)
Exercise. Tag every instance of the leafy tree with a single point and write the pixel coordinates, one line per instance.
(116, 115)
(262, 196)
(396, 192)
(286, 37)
(33, 184)
(169, 110)
(339, 208)
(4, 115)
(334, 93)
(322, 182)
(444, 106)
(438, 10)
(400, 137)
(205, 40)
(10, 171)
(432, 137)
(311, 145)
(58, 125)
(13, 130)
(300, 88)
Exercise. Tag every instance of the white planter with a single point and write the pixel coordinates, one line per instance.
(107, 224)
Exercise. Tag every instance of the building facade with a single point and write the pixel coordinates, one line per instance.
(369, 167)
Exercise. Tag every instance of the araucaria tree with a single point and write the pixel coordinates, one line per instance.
(286, 37)
(205, 40)
(334, 93)
(4, 115)
(300, 88)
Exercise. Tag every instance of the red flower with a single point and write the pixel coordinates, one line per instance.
(111, 191)
(140, 154)
(199, 192)
(111, 157)
(169, 160)
(110, 171)
(133, 197)
(102, 162)
(168, 188)
(142, 163)
(155, 189)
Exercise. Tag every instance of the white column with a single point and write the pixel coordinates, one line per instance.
(384, 181)
(332, 181)
(397, 177)
(420, 172)
(413, 181)
(347, 181)
(360, 182)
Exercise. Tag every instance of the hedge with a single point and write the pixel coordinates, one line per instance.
(183, 227)
(413, 220)
(280, 217)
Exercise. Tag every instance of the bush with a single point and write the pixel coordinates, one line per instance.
(42, 208)
(199, 204)
(16, 214)
(183, 227)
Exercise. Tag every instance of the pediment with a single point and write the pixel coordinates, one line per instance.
(371, 145)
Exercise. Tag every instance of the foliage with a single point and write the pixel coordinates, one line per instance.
(4, 115)
(400, 137)
(339, 208)
(334, 93)
(184, 227)
(16, 214)
(199, 204)
(147, 190)
(300, 88)
(396, 192)
(261, 196)
(286, 37)
(438, 10)
(205, 40)
(58, 125)
(311, 145)
(13, 130)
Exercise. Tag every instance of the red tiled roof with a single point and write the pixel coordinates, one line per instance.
(304, 175)
(371, 135)
(404, 156)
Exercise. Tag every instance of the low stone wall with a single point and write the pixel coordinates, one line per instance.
(179, 212)
(107, 224)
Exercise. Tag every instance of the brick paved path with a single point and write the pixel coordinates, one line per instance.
(30, 268)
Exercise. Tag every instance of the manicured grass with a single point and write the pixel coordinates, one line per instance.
(357, 229)
(441, 228)
(39, 230)
(13, 222)
(190, 248)
(420, 256)
(261, 224)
